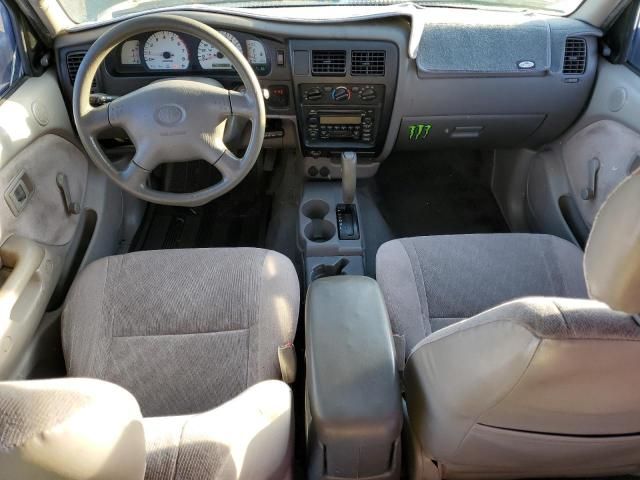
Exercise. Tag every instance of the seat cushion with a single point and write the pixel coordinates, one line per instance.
(248, 437)
(183, 330)
(432, 282)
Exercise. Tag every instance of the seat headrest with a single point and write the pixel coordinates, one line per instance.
(612, 256)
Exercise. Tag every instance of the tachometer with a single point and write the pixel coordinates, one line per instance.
(211, 58)
(166, 51)
(255, 53)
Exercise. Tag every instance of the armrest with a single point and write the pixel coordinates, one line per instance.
(353, 385)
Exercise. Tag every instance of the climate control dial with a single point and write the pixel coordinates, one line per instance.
(341, 94)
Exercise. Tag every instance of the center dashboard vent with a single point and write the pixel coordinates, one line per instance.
(368, 62)
(575, 56)
(74, 59)
(328, 62)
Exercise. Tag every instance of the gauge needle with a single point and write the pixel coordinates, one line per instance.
(161, 54)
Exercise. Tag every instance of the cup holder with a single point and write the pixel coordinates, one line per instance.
(319, 230)
(315, 209)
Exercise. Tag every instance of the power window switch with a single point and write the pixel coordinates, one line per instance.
(18, 194)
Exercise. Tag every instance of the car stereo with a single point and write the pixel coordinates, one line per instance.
(340, 124)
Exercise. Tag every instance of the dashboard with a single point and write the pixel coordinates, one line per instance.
(374, 85)
(171, 52)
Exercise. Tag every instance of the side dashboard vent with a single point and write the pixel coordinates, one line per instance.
(74, 59)
(575, 56)
(368, 62)
(328, 62)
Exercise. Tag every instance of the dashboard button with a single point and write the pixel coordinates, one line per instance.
(278, 96)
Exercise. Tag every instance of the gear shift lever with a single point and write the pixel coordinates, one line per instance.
(349, 164)
(348, 228)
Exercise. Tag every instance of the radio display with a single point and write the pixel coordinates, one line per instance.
(340, 120)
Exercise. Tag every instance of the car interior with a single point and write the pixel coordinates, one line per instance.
(319, 239)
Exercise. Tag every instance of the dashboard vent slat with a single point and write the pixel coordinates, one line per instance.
(329, 62)
(74, 59)
(575, 56)
(368, 62)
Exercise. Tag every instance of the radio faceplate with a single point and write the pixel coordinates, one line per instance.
(339, 125)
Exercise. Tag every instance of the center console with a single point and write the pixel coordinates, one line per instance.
(344, 94)
(354, 409)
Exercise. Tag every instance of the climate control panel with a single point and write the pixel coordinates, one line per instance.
(342, 94)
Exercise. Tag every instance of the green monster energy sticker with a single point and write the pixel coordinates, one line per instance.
(419, 131)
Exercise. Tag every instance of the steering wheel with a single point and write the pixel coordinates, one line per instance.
(171, 120)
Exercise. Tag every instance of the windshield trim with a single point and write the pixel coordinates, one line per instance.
(409, 9)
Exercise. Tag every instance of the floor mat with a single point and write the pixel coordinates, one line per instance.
(437, 193)
(237, 219)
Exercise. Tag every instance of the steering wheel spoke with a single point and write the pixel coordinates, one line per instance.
(134, 175)
(242, 104)
(229, 166)
(96, 119)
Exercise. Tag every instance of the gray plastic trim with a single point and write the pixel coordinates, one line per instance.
(325, 196)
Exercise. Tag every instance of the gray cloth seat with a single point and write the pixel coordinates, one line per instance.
(194, 337)
(512, 371)
(183, 330)
(432, 282)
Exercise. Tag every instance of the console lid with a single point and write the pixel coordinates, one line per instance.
(353, 387)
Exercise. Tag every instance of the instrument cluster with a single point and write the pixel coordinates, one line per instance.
(166, 51)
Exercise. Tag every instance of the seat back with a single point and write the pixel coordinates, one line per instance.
(70, 429)
(540, 386)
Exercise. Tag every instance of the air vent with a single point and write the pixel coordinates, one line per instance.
(74, 59)
(328, 62)
(575, 56)
(367, 62)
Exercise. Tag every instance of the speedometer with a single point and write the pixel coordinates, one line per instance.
(166, 51)
(211, 58)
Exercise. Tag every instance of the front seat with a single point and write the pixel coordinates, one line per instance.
(193, 341)
(511, 370)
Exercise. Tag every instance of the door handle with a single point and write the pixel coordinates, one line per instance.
(589, 192)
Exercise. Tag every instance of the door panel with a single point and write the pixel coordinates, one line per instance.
(597, 158)
(608, 132)
(44, 218)
(37, 227)
(570, 179)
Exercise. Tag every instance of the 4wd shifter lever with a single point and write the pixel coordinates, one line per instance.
(349, 174)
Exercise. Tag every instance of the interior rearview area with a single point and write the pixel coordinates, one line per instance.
(319, 239)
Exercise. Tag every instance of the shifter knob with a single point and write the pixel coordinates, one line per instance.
(349, 175)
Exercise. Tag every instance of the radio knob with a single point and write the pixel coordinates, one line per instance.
(340, 94)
